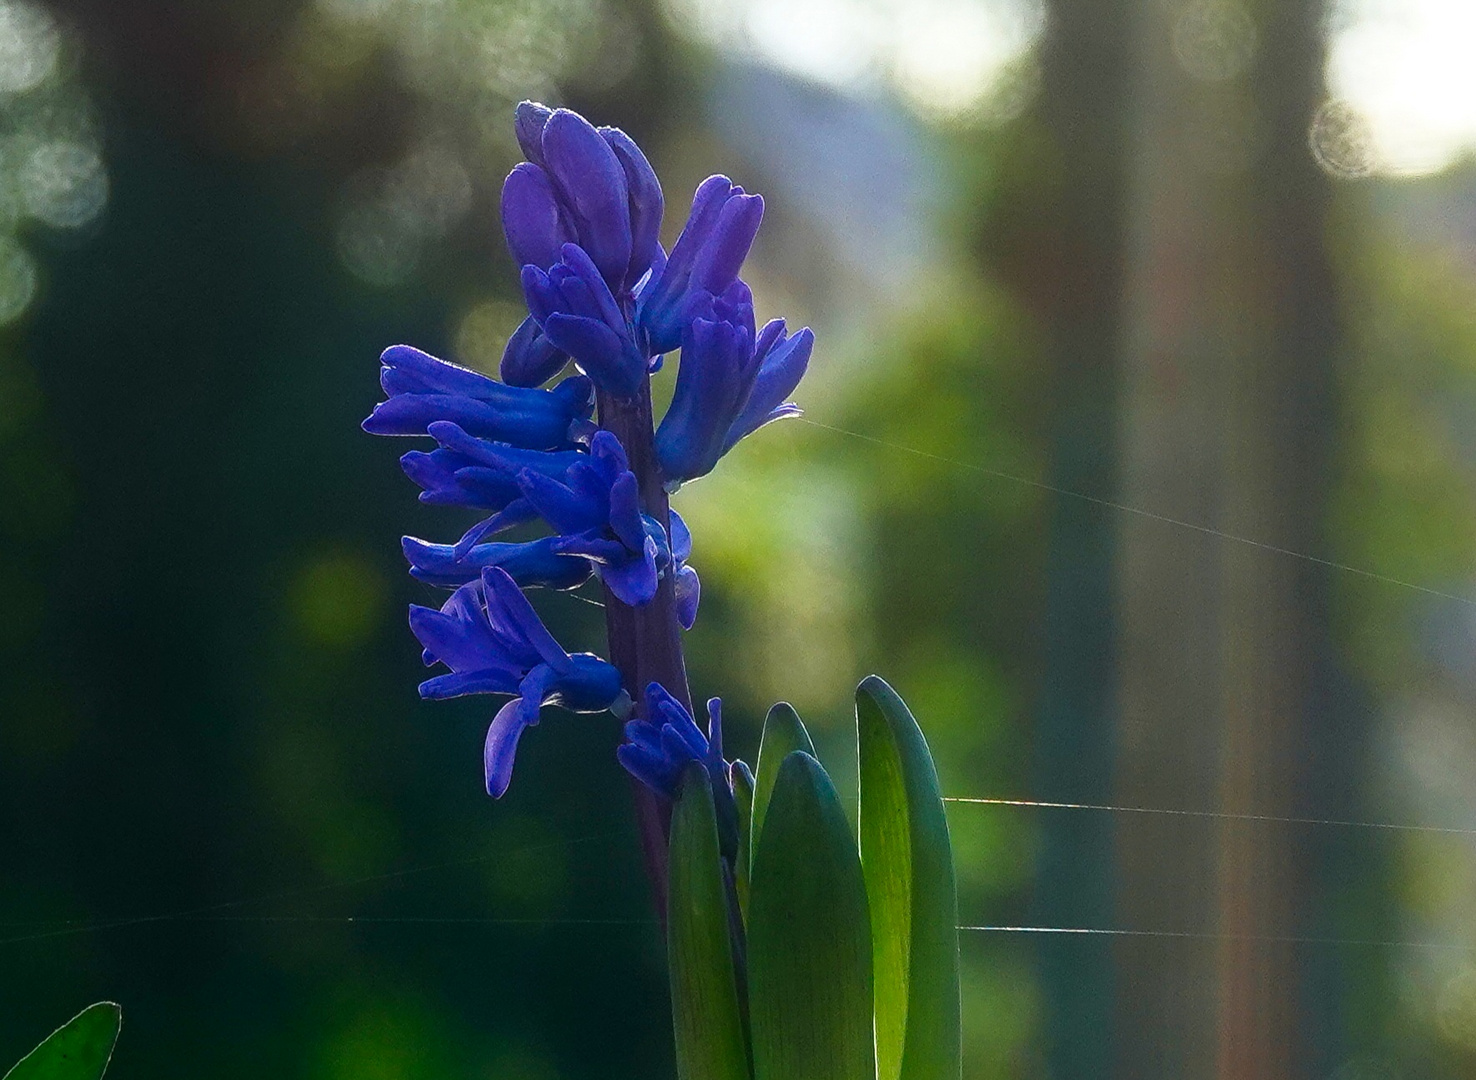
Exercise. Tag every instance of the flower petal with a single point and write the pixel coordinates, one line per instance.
(530, 359)
(688, 596)
(528, 123)
(531, 220)
(646, 202)
(501, 746)
(513, 612)
(591, 182)
(461, 683)
(634, 580)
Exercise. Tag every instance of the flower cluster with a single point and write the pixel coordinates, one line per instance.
(582, 217)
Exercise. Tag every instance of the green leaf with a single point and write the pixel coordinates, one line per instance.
(78, 1050)
(743, 799)
(809, 936)
(908, 862)
(783, 734)
(704, 986)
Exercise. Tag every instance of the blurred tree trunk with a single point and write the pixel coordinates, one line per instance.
(1064, 246)
(1227, 422)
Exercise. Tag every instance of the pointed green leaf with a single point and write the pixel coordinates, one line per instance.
(78, 1050)
(809, 936)
(704, 986)
(743, 799)
(783, 733)
(908, 863)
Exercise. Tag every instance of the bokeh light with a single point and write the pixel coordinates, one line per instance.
(1341, 141)
(947, 57)
(1214, 40)
(388, 216)
(1406, 67)
(64, 184)
(29, 45)
(17, 278)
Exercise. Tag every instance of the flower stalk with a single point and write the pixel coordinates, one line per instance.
(645, 642)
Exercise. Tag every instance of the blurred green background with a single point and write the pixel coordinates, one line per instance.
(1140, 456)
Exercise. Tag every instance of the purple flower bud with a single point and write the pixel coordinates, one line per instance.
(528, 123)
(591, 185)
(782, 364)
(530, 359)
(706, 258)
(535, 225)
(665, 739)
(574, 306)
(713, 383)
(660, 744)
(728, 386)
(646, 204)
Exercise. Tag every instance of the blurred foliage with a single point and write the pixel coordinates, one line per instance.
(1407, 500)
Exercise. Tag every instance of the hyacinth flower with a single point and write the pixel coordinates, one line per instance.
(661, 742)
(476, 473)
(582, 216)
(481, 475)
(705, 259)
(534, 564)
(729, 384)
(573, 305)
(494, 643)
(791, 956)
(421, 390)
(596, 510)
(665, 739)
(530, 358)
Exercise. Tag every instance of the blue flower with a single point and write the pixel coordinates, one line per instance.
(705, 259)
(492, 640)
(582, 185)
(534, 563)
(595, 508)
(781, 360)
(573, 305)
(482, 475)
(728, 385)
(661, 743)
(529, 358)
(422, 390)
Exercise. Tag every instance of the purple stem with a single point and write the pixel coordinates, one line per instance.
(646, 642)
